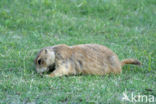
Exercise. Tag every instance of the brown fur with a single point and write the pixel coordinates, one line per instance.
(80, 59)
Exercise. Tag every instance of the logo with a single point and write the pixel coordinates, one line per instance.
(138, 98)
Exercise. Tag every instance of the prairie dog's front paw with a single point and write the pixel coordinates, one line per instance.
(46, 76)
(49, 75)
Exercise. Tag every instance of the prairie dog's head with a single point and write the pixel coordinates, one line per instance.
(44, 60)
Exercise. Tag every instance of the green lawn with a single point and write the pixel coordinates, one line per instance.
(128, 27)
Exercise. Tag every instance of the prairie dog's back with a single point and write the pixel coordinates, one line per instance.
(94, 51)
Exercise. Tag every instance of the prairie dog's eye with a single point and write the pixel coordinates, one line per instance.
(39, 61)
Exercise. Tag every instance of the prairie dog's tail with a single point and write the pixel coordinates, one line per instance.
(130, 61)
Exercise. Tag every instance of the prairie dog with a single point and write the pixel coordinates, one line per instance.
(79, 59)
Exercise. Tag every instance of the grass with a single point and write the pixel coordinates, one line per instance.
(125, 26)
